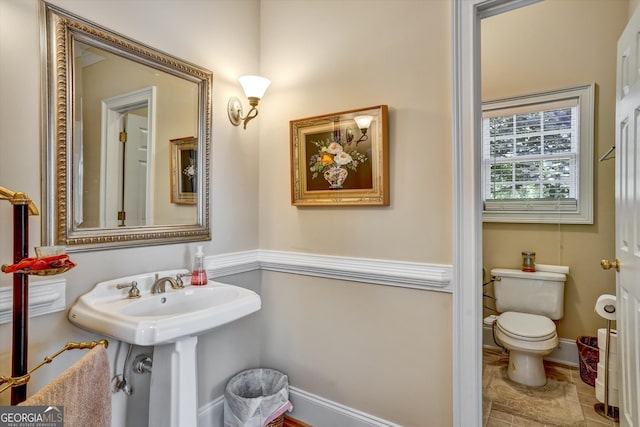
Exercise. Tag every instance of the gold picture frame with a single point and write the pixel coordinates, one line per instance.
(184, 170)
(337, 161)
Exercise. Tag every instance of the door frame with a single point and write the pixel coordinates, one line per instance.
(112, 110)
(467, 203)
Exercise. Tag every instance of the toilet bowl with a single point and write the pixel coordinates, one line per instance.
(529, 338)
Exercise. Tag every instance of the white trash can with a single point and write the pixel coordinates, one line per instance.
(256, 398)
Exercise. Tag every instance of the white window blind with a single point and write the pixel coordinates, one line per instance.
(534, 155)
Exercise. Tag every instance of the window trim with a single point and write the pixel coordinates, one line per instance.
(583, 213)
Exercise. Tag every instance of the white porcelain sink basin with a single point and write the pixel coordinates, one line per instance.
(188, 300)
(160, 318)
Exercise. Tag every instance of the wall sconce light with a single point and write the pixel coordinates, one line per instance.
(254, 89)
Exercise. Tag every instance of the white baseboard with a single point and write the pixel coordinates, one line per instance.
(212, 414)
(566, 353)
(307, 407)
(318, 412)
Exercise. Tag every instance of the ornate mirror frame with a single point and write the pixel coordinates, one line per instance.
(60, 30)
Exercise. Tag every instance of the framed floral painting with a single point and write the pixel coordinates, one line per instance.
(341, 158)
(184, 170)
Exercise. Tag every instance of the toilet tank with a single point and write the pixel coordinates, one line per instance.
(536, 292)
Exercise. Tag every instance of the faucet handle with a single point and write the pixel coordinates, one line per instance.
(134, 292)
(179, 277)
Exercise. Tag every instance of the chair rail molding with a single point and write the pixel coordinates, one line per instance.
(45, 296)
(436, 277)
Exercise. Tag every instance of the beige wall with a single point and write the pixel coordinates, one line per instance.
(326, 56)
(382, 350)
(570, 42)
(379, 349)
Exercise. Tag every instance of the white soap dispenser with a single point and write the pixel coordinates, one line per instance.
(198, 274)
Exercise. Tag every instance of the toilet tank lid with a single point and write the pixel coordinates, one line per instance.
(536, 275)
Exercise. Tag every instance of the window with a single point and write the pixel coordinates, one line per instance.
(538, 157)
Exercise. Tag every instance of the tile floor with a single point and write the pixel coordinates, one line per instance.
(586, 395)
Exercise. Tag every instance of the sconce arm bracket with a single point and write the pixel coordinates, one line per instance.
(235, 111)
(252, 114)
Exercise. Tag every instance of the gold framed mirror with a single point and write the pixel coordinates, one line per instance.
(113, 106)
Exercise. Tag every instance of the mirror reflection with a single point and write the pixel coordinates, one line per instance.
(127, 149)
(123, 129)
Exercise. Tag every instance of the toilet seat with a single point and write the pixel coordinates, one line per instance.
(526, 327)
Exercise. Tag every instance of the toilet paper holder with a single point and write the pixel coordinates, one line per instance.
(603, 409)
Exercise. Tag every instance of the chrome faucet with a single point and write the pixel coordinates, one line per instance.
(160, 284)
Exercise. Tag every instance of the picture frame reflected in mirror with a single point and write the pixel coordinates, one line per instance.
(184, 170)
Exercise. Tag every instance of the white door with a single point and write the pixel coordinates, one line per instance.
(135, 171)
(628, 218)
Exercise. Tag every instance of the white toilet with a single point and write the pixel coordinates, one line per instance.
(529, 302)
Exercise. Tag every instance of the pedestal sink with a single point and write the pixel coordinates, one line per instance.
(169, 321)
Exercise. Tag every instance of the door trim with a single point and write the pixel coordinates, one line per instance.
(467, 212)
(112, 110)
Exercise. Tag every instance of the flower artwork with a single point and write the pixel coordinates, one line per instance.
(334, 159)
(190, 170)
(188, 165)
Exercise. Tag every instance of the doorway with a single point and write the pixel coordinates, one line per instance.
(126, 197)
(468, 238)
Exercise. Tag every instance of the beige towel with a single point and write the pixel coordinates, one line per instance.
(83, 390)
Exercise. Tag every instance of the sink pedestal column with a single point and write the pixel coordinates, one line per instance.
(173, 398)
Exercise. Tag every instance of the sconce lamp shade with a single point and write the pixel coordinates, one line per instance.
(254, 89)
(363, 121)
(254, 86)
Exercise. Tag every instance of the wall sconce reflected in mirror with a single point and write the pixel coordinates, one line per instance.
(363, 123)
(254, 88)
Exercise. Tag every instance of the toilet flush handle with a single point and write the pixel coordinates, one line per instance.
(608, 265)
